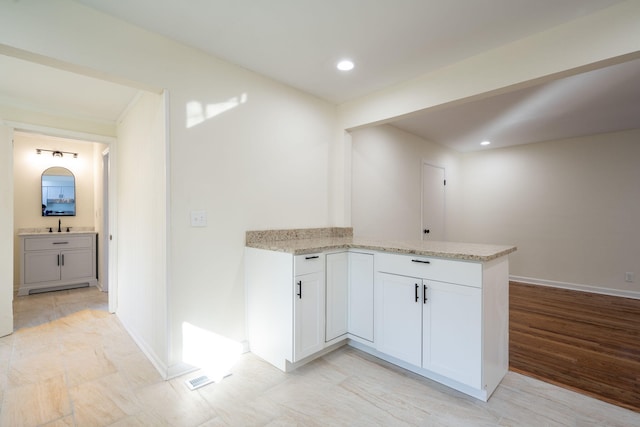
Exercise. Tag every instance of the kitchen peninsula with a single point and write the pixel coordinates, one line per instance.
(439, 309)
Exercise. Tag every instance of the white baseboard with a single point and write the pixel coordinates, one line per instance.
(577, 287)
(179, 369)
(150, 354)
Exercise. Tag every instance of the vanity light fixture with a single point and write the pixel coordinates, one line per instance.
(485, 143)
(56, 153)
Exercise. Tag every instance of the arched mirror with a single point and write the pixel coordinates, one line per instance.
(58, 192)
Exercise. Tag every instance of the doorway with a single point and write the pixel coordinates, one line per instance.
(433, 202)
(84, 155)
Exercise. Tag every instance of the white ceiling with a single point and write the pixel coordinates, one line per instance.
(298, 43)
(600, 101)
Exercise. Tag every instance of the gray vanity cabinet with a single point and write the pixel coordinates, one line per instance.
(57, 261)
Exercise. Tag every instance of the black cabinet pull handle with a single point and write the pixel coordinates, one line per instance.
(62, 259)
(421, 261)
(312, 257)
(58, 259)
(299, 294)
(60, 243)
(424, 293)
(416, 292)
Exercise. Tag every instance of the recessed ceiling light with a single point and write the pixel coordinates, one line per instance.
(485, 143)
(345, 65)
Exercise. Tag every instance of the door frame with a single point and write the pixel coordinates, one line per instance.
(104, 242)
(112, 218)
(7, 248)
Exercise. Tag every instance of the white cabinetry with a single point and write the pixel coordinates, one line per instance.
(285, 305)
(444, 319)
(349, 296)
(360, 309)
(431, 324)
(57, 261)
(337, 310)
(309, 306)
(399, 319)
(452, 333)
(453, 329)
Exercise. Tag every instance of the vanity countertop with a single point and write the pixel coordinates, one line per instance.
(41, 232)
(454, 250)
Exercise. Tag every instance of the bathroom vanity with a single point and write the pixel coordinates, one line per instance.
(53, 261)
(439, 309)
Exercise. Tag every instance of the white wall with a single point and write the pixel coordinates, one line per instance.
(387, 183)
(6, 231)
(27, 173)
(572, 207)
(262, 164)
(141, 235)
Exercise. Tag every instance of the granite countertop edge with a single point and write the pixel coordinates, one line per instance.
(450, 250)
(55, 233)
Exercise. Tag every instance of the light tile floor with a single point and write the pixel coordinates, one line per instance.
(70, 363)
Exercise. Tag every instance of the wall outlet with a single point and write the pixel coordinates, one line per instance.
(198, 218)
(630, 276)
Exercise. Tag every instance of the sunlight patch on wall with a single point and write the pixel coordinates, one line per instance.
(212, 353)
(197, 112)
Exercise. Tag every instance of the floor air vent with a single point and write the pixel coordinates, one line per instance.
(202, 381)
(199, 382)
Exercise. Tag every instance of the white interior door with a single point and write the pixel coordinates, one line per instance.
(433, 185)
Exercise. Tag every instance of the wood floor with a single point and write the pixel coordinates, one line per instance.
(582, 341)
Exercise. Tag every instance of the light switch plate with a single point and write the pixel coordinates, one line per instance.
(198, 218)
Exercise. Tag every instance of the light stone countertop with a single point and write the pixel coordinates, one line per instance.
(55, 233)
(454, 250)
(44, 231)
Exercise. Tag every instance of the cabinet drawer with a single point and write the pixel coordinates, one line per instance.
(58, 242)
(461, 272)
(309, 263)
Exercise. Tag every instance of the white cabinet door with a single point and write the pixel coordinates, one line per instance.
(452, 325)
(42, 266)
(337, 294)
(76, 264)
(361, 295)
(308, 315)
(399, 317)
